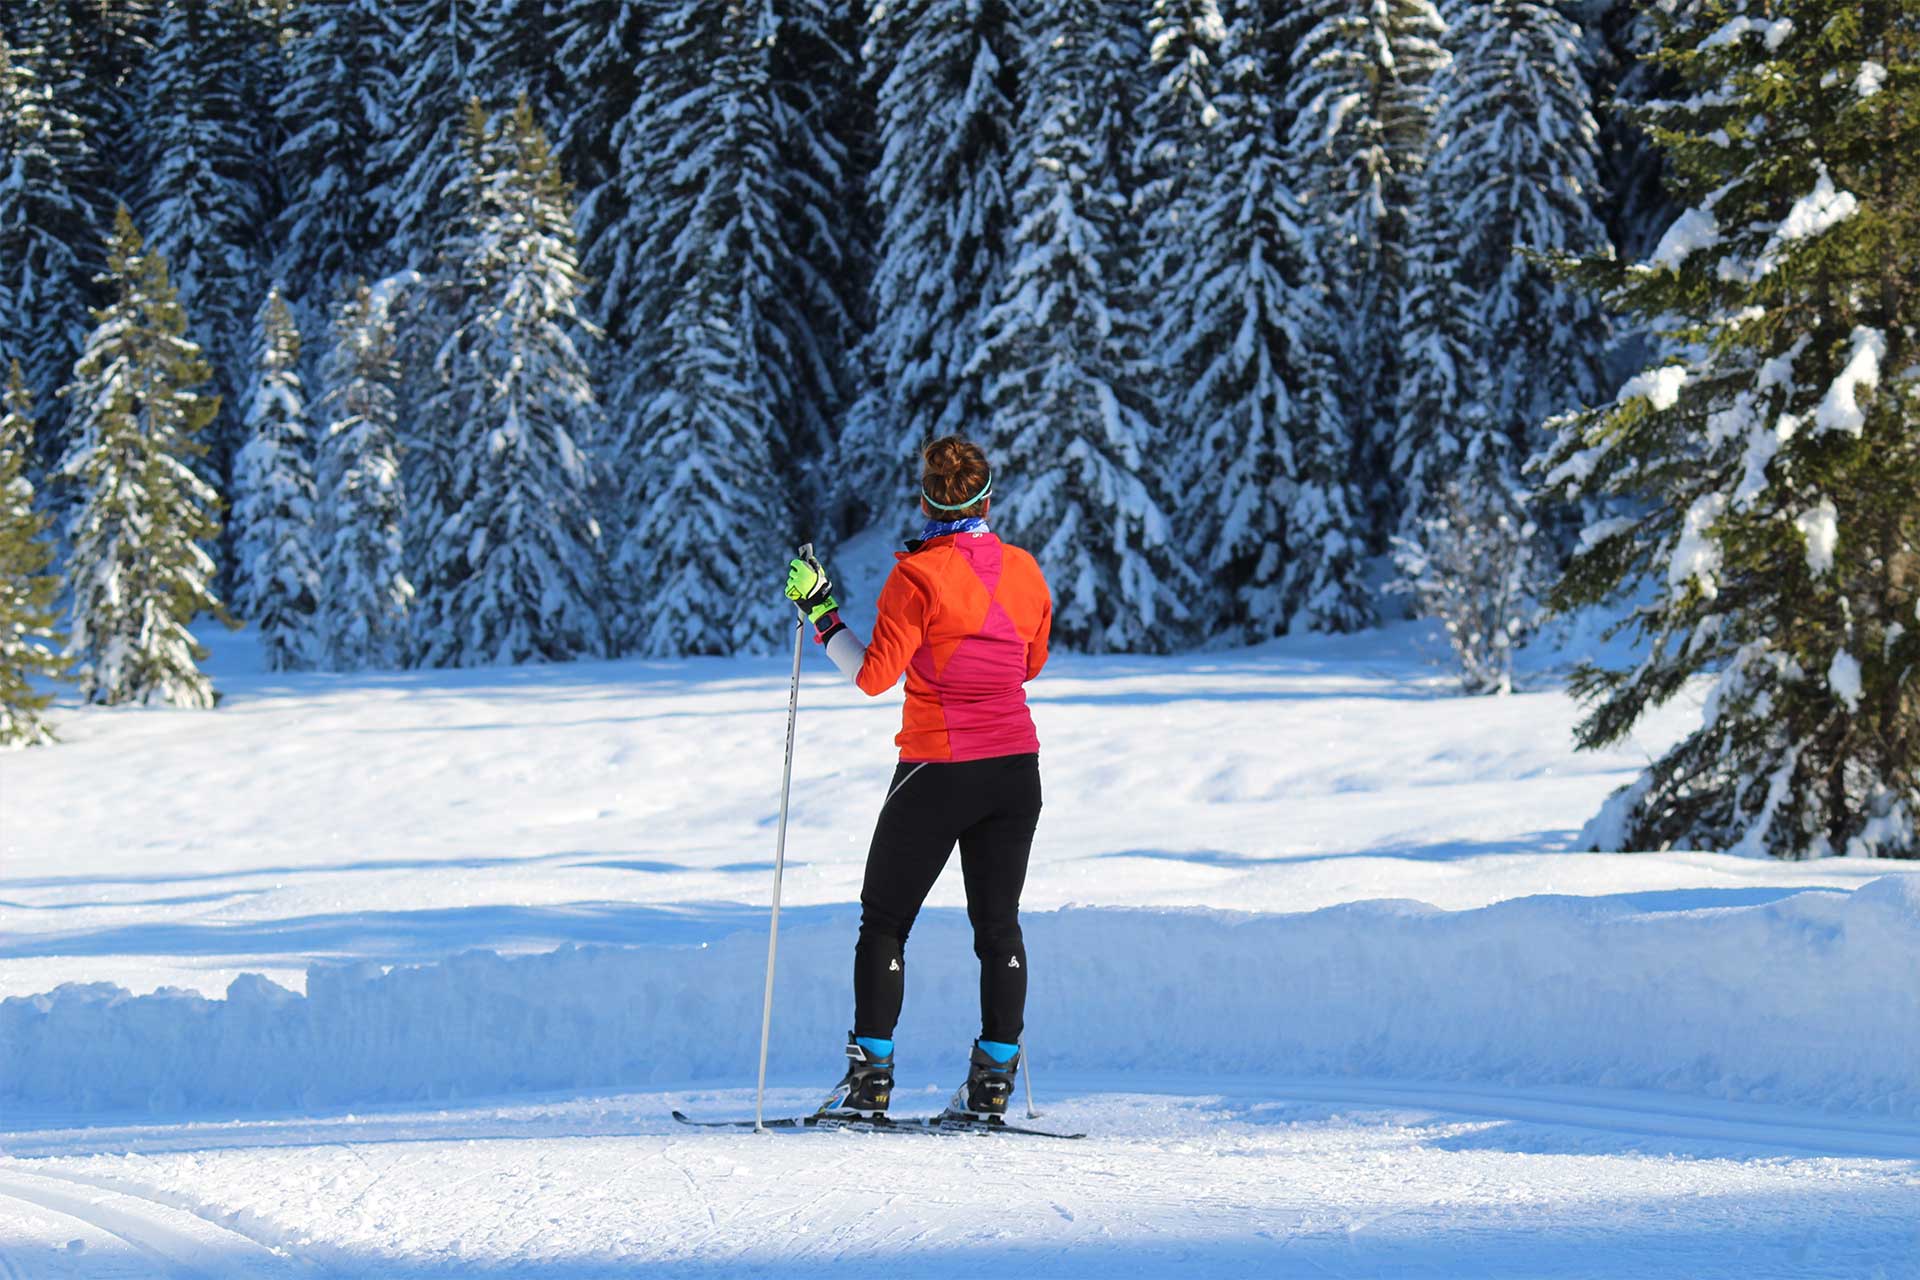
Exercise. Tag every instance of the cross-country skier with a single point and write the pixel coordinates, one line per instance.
(966, 617)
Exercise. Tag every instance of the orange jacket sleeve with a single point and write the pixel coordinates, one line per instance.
(897, 633)
(1037, 647)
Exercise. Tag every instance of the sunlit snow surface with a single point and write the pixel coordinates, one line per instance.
(401, 819)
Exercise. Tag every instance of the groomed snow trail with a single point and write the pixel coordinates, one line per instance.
(1267, 1178)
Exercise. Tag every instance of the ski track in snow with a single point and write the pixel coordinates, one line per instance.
(1268, 1178)
(402, 819)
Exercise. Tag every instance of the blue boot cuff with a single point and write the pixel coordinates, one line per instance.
(878, 1048)
(1000, 1051)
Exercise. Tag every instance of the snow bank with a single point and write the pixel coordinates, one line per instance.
(1805, 998)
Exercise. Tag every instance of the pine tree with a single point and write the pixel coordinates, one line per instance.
(1775, 454)
(277, 579)
(593, 42)
(947, 74)
(1516, 177)
(515, 572)
(1265, 478)
(49, 231)
(337, 89)
(448, 53)
(138, 571)
(820, 205)
(28, 641)
(1060, 357)
(1360, 110)
(200, 190)
(365, 593)
(1177, 112)
(706, 508)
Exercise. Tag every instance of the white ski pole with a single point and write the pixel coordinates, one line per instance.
(779, 866)
(1026, 1072)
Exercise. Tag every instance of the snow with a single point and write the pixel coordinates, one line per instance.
(1843, 677)
(1696, 555)
(1692, 231)
(1774, 32)
(1821, 528)
(503, 919)
(1820, 210)
(1872, 78)
(1840, 408)
(1659, 387)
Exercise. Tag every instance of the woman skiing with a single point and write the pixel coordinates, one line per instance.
(966, 617)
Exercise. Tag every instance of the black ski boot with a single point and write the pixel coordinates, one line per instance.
(983, 1098)
(863, 1092)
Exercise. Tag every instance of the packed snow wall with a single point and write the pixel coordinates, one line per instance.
(1809, 999)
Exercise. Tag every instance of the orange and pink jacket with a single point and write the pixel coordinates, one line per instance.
(966, 617)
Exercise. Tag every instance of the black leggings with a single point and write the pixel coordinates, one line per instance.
(991, 808)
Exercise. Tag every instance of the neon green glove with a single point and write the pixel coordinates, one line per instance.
(808, 587)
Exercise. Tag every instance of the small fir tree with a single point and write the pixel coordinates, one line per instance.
(277, 579)
(365, 593)
(1775, 454)
(1472, 565)
(138, 570)
(514, 567)
(29, 644)
(1061, 355)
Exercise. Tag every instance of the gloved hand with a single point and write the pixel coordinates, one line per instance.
(808, 587)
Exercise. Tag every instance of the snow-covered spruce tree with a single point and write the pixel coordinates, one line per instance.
(277, 579)
(1472, 564)
(29, 645)
(200, 189)
(593, 51)
(945, 103)
(447, 54)
(1176, 114)
(337, 87)
(364, 594)
(137, 570)
(1067, 425)
(1359, 107)
(1264, 477)
(820, 205)
(514, 570)
(1515, 178)
(704, 508)
(49, 233)
(1172, 151)
(1776, 454)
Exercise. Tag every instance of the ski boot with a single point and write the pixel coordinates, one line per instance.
(863, 1092)
(983, 1098)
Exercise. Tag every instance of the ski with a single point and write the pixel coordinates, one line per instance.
(912, 1124)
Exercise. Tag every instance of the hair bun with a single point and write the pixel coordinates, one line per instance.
(954, 472)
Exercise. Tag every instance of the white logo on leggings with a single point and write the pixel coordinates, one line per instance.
(1013, 962)
(893, 966)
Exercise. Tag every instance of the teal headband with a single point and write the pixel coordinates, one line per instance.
(960, 506)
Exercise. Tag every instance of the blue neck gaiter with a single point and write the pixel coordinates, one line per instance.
(939, 528)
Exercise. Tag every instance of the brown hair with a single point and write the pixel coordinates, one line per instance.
(953, 470)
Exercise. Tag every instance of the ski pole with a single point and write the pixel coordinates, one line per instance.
(1026, 1073)
(779, 865)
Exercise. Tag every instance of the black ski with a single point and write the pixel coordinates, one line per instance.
(911, 1124)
